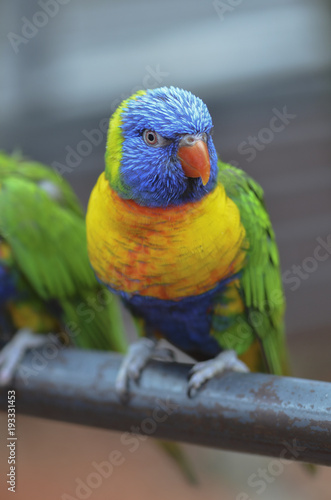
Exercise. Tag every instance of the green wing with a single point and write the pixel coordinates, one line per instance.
(46, 239)
(260, 285)
(48, 245)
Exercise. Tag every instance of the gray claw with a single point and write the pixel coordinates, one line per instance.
(14, 350)
(135, 360)
(200, 373)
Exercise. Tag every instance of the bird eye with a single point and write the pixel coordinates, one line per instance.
(150, 137)
(204, 137)
(154, 139)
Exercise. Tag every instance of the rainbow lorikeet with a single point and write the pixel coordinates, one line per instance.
(186, 241)
(46, 282)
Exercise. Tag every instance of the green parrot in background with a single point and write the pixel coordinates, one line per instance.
(46, 283)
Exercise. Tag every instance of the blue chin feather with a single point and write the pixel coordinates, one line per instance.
(153, 175)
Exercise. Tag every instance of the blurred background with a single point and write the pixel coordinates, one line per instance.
(264, 70)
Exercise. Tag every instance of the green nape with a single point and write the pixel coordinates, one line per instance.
(115, 139)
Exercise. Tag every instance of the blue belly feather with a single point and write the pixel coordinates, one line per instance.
(185, 323)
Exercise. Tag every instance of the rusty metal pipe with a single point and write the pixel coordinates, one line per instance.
(255, 413)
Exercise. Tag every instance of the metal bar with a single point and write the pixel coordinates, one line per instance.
(255, 413)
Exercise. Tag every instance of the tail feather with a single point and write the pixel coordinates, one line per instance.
(174, 451)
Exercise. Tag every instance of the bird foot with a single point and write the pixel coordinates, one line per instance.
(14, 350)
(137, 357)
(206, 370)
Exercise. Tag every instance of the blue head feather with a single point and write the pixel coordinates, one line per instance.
(154, 176)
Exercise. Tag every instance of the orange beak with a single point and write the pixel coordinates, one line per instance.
(195, 160)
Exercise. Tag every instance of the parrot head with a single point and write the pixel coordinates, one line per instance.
(159, 148)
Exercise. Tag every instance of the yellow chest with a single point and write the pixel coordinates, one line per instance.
(168, 253)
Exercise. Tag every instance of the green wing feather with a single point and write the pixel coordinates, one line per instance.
(260, 283)
(16, 166)
(47, 238)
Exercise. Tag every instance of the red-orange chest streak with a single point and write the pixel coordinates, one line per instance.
(168, 253)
